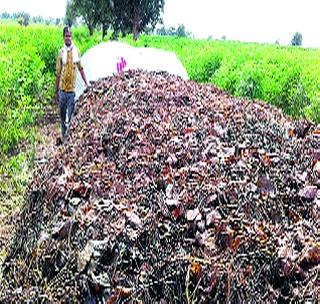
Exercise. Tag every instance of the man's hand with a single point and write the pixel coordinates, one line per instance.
(84, 78)
(86, 88)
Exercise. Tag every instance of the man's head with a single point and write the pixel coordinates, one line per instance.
(67, 36)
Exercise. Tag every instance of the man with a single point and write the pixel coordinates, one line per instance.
(67, 62)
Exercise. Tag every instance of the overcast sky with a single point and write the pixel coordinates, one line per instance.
(246, 20)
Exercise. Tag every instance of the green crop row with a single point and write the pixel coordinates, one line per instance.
(24, 81)
(287, 77)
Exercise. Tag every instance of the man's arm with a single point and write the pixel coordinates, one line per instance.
(83, 75)
(81, 70)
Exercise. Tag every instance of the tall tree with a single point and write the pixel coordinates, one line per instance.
(182, 32)
(88, 10)
(71, 13)
(93, 12)
(104, 14)
(296, 39)
(133, 16)
(125, 16)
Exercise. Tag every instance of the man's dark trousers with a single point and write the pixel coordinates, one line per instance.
(66, 100)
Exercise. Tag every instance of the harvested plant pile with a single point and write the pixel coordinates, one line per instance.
(167, 191)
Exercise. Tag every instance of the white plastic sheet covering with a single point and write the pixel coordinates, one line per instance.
(110, 58)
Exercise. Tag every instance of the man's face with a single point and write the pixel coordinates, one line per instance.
(67, 38)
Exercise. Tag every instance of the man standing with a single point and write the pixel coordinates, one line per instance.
(67, 62)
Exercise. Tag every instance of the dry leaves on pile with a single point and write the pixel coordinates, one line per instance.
(169, 191)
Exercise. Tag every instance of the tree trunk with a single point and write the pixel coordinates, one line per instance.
(135, 25)
(90, 29)
(104, 30)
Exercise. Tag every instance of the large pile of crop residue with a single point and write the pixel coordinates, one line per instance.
(172, 192)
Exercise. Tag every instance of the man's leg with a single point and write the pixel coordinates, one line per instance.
(63, 112)
(70, 106)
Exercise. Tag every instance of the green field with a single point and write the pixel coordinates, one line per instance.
(288, 77)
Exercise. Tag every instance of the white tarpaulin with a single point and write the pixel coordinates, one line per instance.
(110, 58)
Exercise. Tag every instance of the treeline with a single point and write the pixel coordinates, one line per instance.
(25, 19)
(77, 15)
(180, 31)
(120, 17)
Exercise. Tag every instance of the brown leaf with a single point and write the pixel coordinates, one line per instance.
(213, 217)
(235, 243)
(316, 132)
(311, 257)
(266, 160)
(81, 188)
(124, 292)
(113, 299)
(196, 269)
(176, 212)
(291, 132)
(188, 130)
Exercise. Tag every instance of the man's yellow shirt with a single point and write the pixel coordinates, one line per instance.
(67, 71)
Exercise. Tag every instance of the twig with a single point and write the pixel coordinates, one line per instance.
(187, 285)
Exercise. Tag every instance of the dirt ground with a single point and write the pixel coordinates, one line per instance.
(48, 131)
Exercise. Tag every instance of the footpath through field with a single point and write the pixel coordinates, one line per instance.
(47, 134)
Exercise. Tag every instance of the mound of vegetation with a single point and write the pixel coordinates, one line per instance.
(167, 191)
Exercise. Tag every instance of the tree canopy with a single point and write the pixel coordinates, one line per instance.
(124, 16)
(87, 9)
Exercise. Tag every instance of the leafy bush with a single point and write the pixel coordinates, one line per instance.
(20, 87)
(249, 84)
(293, 97)
(212, 65)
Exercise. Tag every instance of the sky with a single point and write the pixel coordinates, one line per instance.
(244, 20)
